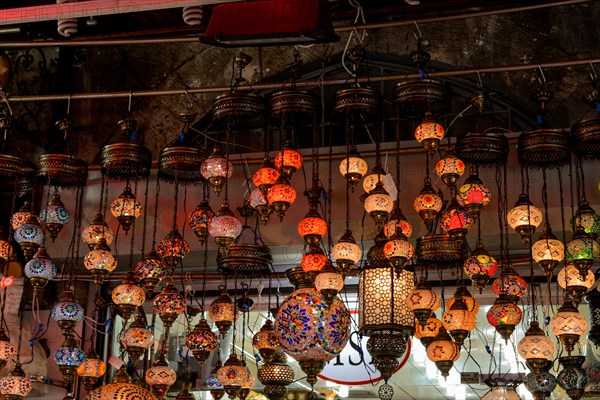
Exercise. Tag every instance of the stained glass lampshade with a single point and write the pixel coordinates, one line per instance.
(429, 133)
(397, 220)
(97, 230)
(120, 388)
(200, 219)
(586, 217)
(91, 369)
(168, 304)
(232, 375)
(265, 341)
(67, 313)
(536, 348)
(100, 261)
(570, 279)
(573, 378)
(173, 248)
(40, 269)
(150, 271)
(398, 250)
(456, 221)
(30, 236)
(450, 168)
(502, 393)
(422, 301)
(504, 316)
(126, 209)
(6, 251)
(548, 251)
(465, 295)
(511, 283)
(216, 169)
(480, 266)
(329, 282)
(427, 333)
(225, 227)
(288, 160)
(55, 216)
(379, 204)
(524, 217)
(313, 260)
(128, 296)
(353, 167)
(582, 250)
(258, 200)
(160, 376)
(568, 324)
(16, 385)
(540, 384)
(201, 341)
(68, 357)
(443, 351)
(458, 321)
(376, 175)
(222, 312)
(428, 203)
(346, 253)
(265, 176)
(21, 216)
(473, 195)
(136, 339)
(281, 196)
(7, 350)
(312, 228)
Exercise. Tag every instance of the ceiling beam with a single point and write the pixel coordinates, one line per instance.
(92, 8)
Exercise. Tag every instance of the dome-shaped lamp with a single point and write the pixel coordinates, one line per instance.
(91, 369)
(463, 293)
(67, 313)
(202, 341)
(160, 376)
(511, 283)
(398, 250)
(7, 350)
(128, 296)
(524, 217)
(120, 388)
(473, 195)
(429, 133)
(586, 217)
(231, 375)
(346, 253)
(265, 176)
(313, 260)
(281, 196)
(536, 348)
(422, 301)
(30, 236)
(288, 160)
(428, 203)
(582, 250)
(443, 352)
(200, 219)
(573, 378)
(480, 266)
(458, 321)
(427, 333)
(329, 282)
(265, 341)
(569, 278)
(258, 201)
(55, 216)
(216, 169)
(40, 269)
(370, 181)
(173, 248)
(450, 168)
(548, 251)
(397, 220)
(100, 261)
(136, 339)
(69, 357)
(126, 209)
(456, 221)
(225, 227)
(222, 312)
(353, 167)
(504, 315)
(569, 325)
(378, 205)
(150, 271)
(312, 227)
(97, 230)
(16, 385)
(168, 304)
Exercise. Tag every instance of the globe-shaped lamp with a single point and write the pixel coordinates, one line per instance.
(568, 324)
(524, 218)
(216, 169)
(126, 209)
(202, 341)
(40, 269)
(199, 220)
(100, 261)
(504, 315)
(97, 230)
(353, 168)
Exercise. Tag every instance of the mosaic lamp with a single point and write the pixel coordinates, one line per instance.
(397, 220)
(504, 315)
(573, 378)
(97, 230)
(540, 384)
(120, 388)
(67, 313)
(128, 296)
(265, 176)
(569, 278)
(21, 216)
(7, 350)
(160, 376)
(511, 283)
(6, 251)
(313, 260)
(536, 348)
(100, 261)
(91, 369)
(473, 195)
(429, 133)
(524, 217)
(173, 248)
(398, 250)
(443, 352)
(30, 236)
(376, 175)
(346, 253)
(126, 209)
(16, 385)
(231, 375)
(265, 341)
(502, 393)
(281, 196)
(150, 271)
(312, 227)
(202, 341)
(136, 339)
(199, 220)
(456, 221)
(168, 304)
(480, 266)
(568, 324)
(216, 169)
(463, 293)
(582, 250)
(353, 167)
(225, 227)
(586, 217)
(548, 251)
(222, 311)
(69, 357)
(458, 321)
(379, 204)
(427, 333)
(40, 269)
(258, 201)
(450, 168)
(422, 301)
(428, 203)
(329, 282)
(55, 216)
(288, 160)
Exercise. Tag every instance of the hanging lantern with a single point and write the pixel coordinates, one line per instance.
(216, 169)
(504, 316)
(67, 313)
(247, 384)
(473, 195)
(231, 375)
(128, 296)
(100, 261)
(6, 251)
(288, 160)
(397, 220)
(215, 388)
(569, 325)
(55, 216)
(168, 304)
(126, 209)
(524, 217)
(258, 201)
(592, 366)
(429, 133)
(313, 260)
(459, 321)
(480, 266)
(312, 228)
(69, 357)
(569, 278)
(202, 341)
(428, 203)
(40, 269)
(91, 369)
(450, 168)
(222, 311)
(7, 350)
(281, 196)
(502, 393)
(265, 176)
(200, 219)
(422, 301)
(456, 221)
(548, 251)
(96, 231)
(353, 167)
(398, 250)
(573, 378)
(329, 282)
(582, 250)
(443, 352)
(309, 330)
(346, 253)
(275, 375)
(378, 205)
(540, 384)
(21, 216)
(536, 348)
(120, 388)
(16, 385)
(30, 237)
(265, 342)
(150, 271)
(586, 217)
(224, 227)
(511, 283)
(463, 293)
(137, 339)
(173, 248)
(386, 348)
(160, 376)
(376, 175)
(427, 333)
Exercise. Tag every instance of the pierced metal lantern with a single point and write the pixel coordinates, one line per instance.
(443, 352)
(136, 339)
(353, 168)
(40, 269)
(440, 250)
(504, 315)
(573, 378)
(544, 148)
(127, 158)
(422, 301)
(128, 296)
(67, 313)
(62, 170)
(150, 271)
(245, 259)
(216, 169)
(97, 230)
(126, 209)
(168, 304)
(222, 311)
(362, 101)
(524, 218)
(346, 253)
(480, 266)
(91, 369)
(200, 219)
(414, 98)
(386, 347)
(276, 375)
(536, 348)
(585, 134)
(100, 261)
(484, 149)
(569, 325)
(55, 216)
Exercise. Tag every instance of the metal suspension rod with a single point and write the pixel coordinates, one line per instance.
(305, 84)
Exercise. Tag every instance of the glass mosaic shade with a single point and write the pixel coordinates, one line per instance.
(397, 220)
(216, 169)
(353, 167)
(427, 333)
(168, 304)
(346, 253)
(150, 271)
(504, 316)
(16, 384)
(473, 195)
(480, 266)
(55, 216)
(100, 259)
(173, 247)
(199, 220)
(456, 221)
(502, 393)
(222, 312)
(201, 341)
(535, 347)
(92, 367)
(128, 296)
(429, 133)
(258, 199)
(465, 295)
(265, 176)
(379, 204)
(40, 269)
(586, 217)
(7, 350)
(288, 160)
(69, 355)
(160, 373)
(67, 312)
(97, 230)
(524, 217)
(450, 168)
(126, 208)
(313, 260)
(371, 180)
(312, 228)
(21, 216)
(512, 283)
(568, 324)
(137, 336)
(265, 341)
(225, 227)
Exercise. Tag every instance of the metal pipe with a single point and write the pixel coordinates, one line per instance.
(304, 84)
